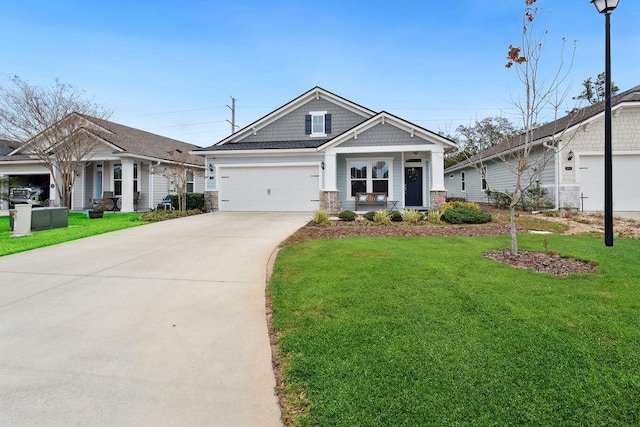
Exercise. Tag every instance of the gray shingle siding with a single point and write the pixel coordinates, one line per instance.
(291, 126)
(382, 135)
(499, 178)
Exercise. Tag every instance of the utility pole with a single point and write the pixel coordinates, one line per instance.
(233, 115)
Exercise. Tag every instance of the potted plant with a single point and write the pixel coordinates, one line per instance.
(98, 207)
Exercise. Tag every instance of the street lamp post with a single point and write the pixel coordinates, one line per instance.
(606, 7)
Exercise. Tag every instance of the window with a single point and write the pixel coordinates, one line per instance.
(317, 123)
(358, 177)
(380, 176)
(117, 180)
(189, 181)
(366, 176)
(462, 183)
(484, 178)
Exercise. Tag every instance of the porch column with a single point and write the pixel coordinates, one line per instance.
(330, 172)
(127, 185)
(437, 171)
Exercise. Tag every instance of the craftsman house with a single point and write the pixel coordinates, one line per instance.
(124, 164)
(323, 151)
(574, 173)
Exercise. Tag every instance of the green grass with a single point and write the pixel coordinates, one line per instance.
(426, 331)
(79, 226)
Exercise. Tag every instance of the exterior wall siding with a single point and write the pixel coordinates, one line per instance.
(383, 135)
(499, 178)
(291, 126)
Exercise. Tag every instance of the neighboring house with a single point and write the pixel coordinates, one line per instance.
(574, 175)
(7, 146)
(125, 161)
(318, 151)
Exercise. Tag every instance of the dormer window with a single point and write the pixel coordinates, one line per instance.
(317, 124)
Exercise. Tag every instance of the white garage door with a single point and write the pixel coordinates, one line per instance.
(626, 182)
(269, 188)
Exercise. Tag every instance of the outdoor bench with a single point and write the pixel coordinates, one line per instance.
(371, 199)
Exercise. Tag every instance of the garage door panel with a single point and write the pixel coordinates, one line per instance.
(269, 188)
(626, 182)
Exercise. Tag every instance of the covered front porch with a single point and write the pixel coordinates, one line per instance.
(124, 185)
(410, 179)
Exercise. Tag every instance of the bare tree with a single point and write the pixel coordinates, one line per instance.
(48, 120)
(179, 174)
(540, 95)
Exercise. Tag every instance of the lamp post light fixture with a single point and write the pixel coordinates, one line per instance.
(606, 7)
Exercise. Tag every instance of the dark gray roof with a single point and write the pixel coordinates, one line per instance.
(136, 141)
(270, 145)
(553, 128)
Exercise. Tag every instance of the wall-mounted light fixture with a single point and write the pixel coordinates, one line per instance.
(322, 165)
(570, 156)
(210, 167)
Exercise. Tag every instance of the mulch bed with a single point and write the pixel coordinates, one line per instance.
(543, 262)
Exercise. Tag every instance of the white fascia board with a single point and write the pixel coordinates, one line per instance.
(258, 153)
(292, 105)
(384, 149)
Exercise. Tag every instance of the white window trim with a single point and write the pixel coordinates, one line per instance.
(193, 180)
(318, 134)
(113, 179)
(369, 161)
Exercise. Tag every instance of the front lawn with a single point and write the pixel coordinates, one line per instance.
(79, 226)
(427, 331)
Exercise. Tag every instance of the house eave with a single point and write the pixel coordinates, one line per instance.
(254, 152)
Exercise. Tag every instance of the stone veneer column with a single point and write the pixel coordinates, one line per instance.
(211, 201)
(437, 198)
(329, 202)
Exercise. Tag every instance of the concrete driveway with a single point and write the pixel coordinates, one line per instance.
(158, 325)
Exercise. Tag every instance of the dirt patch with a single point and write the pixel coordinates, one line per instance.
(542, 262)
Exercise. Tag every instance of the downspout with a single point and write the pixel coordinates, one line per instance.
(546, 145)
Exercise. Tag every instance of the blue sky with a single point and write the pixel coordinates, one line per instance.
(170, 67)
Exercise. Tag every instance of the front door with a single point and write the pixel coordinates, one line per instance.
(413, 186)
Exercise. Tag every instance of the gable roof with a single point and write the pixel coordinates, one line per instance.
(551, 129)
(385, 117)
(128, 140)
(7, 146)
(317, 92)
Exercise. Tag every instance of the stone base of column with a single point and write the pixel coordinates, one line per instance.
(329, 202)
(211, 201)
(437, 198)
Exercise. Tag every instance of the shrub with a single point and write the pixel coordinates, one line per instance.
(455, 199)
(412, 216)
(162, 215)
(194, 201)
(369, 216)
(464, 215)
(382, 217)
(321, 217)
(347, 215)
(434, 217)
(395, 216)
(499, 199)
(457, 204)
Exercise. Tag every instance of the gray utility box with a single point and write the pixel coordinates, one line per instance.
(47, 218)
